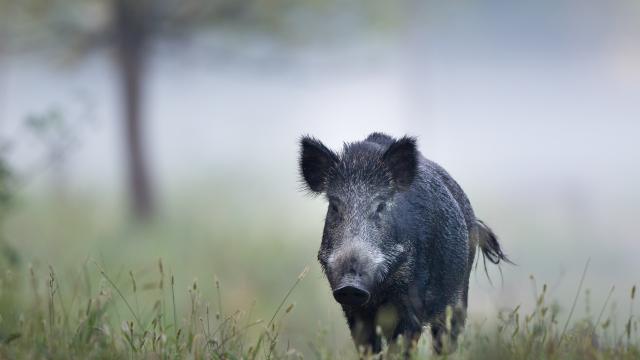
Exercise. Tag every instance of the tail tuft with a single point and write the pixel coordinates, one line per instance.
(488, 242)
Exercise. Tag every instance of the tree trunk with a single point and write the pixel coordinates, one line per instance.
(131, 40)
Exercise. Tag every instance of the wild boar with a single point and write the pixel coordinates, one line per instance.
(399, 239)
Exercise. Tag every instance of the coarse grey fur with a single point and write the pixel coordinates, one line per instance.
(399, 240)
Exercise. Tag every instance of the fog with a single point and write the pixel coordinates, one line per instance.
(533, 110)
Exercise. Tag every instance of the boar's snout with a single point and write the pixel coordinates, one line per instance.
(351, 294)
(352, 289)
(352, 269)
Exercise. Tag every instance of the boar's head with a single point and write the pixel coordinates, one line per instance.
(361, 243)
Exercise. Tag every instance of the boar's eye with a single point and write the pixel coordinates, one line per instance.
(335, 204)
(381, 207)
(333, 207)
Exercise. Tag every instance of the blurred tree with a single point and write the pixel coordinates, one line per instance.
(129, 28)
(132, 29)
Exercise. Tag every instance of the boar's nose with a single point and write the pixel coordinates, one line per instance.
(351, 295)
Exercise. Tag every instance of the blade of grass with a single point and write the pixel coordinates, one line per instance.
(115, 287)
(604, 306)
(284, 300)
(173, 300)
(575, 301)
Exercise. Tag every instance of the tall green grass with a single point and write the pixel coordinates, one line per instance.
(95, 289)
(89, 325)
(111, 319)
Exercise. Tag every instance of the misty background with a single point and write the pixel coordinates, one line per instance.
(176, 125)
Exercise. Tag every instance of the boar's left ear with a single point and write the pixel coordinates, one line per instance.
(401, 158)
(316, 162)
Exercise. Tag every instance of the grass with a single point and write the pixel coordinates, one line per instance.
(96, 289)
(92, 327)
(88, 323)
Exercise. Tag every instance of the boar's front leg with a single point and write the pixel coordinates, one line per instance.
(363, 332)
(368, 341)
(445, 339)
(411, 333)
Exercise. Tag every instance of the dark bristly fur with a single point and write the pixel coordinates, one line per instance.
(399, 239)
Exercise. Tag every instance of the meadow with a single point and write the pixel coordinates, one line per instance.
(216, 279)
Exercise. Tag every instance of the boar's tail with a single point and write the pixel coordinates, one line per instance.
(488, 242)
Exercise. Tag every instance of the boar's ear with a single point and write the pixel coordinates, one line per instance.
(401, 158)
(316, 161)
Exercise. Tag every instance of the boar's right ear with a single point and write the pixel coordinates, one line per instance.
(401, 158)
(316, 161)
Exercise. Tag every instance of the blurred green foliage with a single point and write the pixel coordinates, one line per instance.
(8, 255)
(79, 26)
